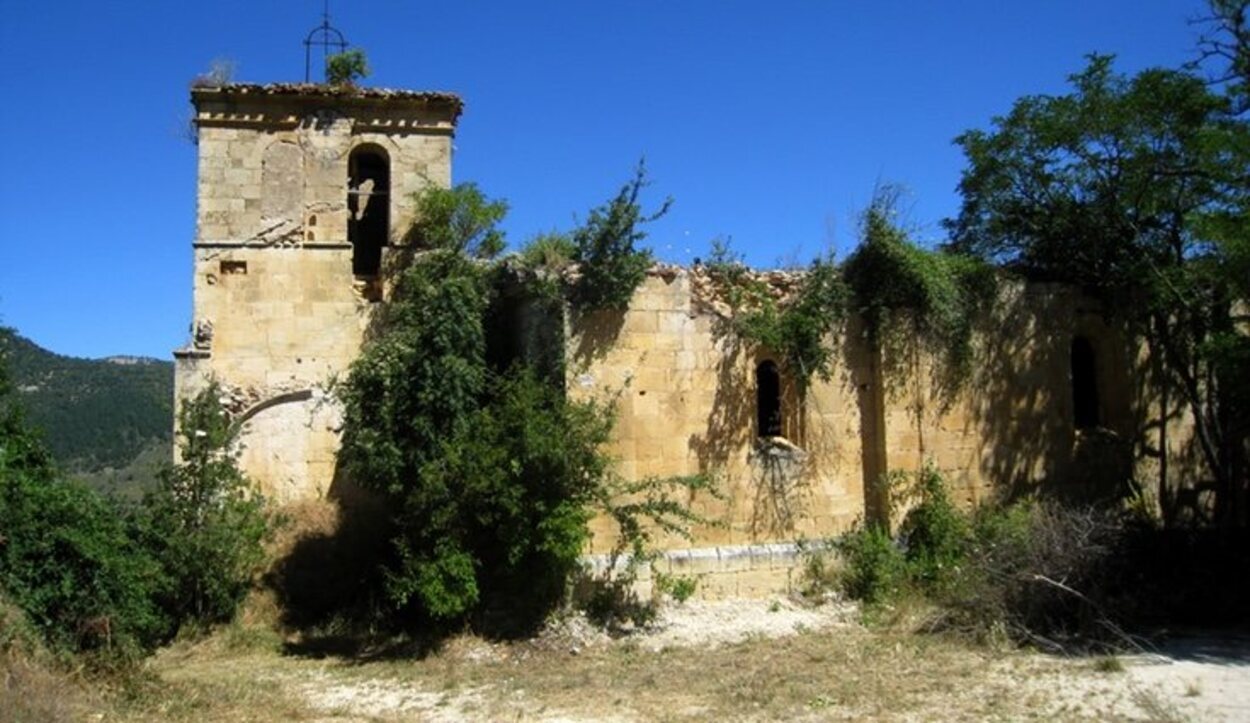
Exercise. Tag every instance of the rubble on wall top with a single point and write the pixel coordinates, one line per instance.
(318, 90)
(708, 289)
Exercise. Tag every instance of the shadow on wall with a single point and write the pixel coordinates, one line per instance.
(1168, 462)
(1024, 400)
(759, 436)
(730, 425)
(596, 333)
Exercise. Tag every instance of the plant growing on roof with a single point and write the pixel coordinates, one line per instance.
(347, 67)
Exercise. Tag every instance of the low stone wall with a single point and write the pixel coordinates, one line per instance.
(726, 571)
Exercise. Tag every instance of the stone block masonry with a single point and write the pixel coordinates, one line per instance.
(304, 191)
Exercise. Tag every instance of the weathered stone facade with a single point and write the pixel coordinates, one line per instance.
(279, 311)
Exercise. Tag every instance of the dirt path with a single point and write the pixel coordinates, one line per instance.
(740, 660)
(1203, 678)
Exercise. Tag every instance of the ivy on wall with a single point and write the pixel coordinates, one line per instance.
(901, 291)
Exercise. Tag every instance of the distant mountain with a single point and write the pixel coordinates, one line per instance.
(96, 414)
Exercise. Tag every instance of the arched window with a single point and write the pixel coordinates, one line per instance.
(1085, 407)
(368, 207)
(768, 399)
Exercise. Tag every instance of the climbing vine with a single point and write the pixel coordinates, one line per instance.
(798, 324)
(906, 293)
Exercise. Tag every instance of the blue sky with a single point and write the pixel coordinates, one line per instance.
(767, 122)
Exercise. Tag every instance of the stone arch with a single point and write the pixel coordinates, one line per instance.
(287, 443)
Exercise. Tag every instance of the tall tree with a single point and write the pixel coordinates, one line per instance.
(1135, 190)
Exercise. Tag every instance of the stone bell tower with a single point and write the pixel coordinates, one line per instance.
(303, 189)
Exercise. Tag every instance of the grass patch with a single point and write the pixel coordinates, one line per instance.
(1108, 664)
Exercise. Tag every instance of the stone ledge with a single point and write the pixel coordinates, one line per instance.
(186, 353)
(220, 244)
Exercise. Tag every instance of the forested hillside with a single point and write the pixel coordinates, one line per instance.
(95, 413)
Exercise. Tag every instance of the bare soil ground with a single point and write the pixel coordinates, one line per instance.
(735, 660)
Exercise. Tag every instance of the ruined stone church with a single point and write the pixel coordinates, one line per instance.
(304, 190)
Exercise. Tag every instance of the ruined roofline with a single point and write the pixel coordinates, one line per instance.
(349, 94)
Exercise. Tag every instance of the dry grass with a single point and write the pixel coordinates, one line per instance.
(32, 691)
(842, 673)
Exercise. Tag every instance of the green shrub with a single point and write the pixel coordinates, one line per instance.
(69, 562)
(679, 588)
(204, 523)
(1040, 573)
(935, 534)
(875, 569)
(498, 522)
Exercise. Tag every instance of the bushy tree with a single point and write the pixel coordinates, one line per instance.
(1134, 189)
(482, 471)
(490, 475)
(205, 523)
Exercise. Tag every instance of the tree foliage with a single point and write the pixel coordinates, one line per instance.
(1226, 45)
(93, 413)
(460, 219)
(1134, 189)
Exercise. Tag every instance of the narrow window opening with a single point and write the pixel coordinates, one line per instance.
(1084, 384)
(368, 207)
(228, 268)
(768, 399)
